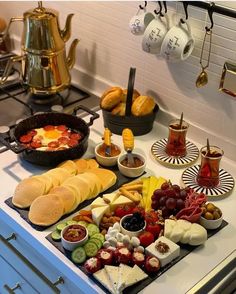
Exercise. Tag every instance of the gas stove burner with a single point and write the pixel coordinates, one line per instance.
(58, 98)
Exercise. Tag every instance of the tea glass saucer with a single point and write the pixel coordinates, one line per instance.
(158, 151)
(226, 184)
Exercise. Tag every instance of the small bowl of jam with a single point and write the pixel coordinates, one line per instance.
(73, 236)
(132, 170)
(106, 158)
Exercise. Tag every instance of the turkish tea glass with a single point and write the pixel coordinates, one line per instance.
(176, 144)
(208, 174)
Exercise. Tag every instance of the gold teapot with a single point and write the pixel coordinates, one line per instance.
(45, 67)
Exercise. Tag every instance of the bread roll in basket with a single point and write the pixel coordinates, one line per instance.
(141, 114)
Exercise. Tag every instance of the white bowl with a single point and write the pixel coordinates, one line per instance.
(105, 160)
(211, 224)
(72, 245)
(131, 233)
(131, 172)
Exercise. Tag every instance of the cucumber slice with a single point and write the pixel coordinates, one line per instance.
(61, 226)
(71, 222)
(78, 255)
(97, 242)
(91, 249)
(82, 223)
(56, 235)
(99, 236)
(92, 229)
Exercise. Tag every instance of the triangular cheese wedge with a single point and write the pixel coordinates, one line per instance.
(121, 200)
(111, 197)
(98, 202)
(113, 275)
(97, 213)
(124, 271)
(135, 276)
(102, 278)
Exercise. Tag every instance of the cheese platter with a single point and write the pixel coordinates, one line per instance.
(130, 245)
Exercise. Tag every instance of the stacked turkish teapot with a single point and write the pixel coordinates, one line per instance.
(45, 67)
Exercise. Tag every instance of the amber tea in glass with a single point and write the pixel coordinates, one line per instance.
(208, 174)
(176, 144)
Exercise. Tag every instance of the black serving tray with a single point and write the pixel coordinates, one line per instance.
(121, 179)
(185, 249)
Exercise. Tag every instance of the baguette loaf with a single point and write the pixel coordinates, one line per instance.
(111, 98)
(143, 105)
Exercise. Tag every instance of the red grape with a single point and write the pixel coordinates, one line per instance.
(165, 186)
(179, 204)
(162, 201)
(170, 193)
(171, 203)
(176, 188)
(183, 194)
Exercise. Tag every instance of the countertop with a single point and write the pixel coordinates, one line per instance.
(179, 278)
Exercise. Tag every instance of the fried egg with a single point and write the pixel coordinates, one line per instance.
(47, 136)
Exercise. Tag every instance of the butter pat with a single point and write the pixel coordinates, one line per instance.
(166, 257)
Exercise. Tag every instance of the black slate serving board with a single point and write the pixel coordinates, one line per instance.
(121, 179)
(185, 249)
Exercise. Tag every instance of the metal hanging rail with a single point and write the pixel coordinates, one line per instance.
(216, 8)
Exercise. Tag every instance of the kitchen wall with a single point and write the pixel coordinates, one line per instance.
(107, 50)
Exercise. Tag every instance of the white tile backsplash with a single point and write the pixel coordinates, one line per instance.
(107, 50)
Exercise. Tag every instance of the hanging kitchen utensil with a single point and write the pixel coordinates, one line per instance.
(128, 141)
(202, 79)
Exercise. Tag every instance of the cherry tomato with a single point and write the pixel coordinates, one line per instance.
(36, 144)
(146, 238)
(25, 139)
(53, 144)
(72, 143)
(63, 140)
(75, 136)
(151, 216)
(61, 128)
(152, 264)
(121, 211)
(49, 128)
(154, 228)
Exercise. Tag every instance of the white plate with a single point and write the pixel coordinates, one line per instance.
(158, 151)
(225, 185)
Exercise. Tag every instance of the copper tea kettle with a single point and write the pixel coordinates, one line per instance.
(45, 67)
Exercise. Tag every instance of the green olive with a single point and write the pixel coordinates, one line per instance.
(208, 215)
(216, 215)
(210, 207)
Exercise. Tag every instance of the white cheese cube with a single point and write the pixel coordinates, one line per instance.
(167, 257)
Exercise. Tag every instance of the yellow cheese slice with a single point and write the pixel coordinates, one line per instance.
(121, 200)
(98, 202)
(111, 197)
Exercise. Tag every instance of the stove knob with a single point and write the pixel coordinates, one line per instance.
(4, 131)
(57, 108)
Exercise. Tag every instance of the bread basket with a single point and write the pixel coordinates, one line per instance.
(140, 125)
